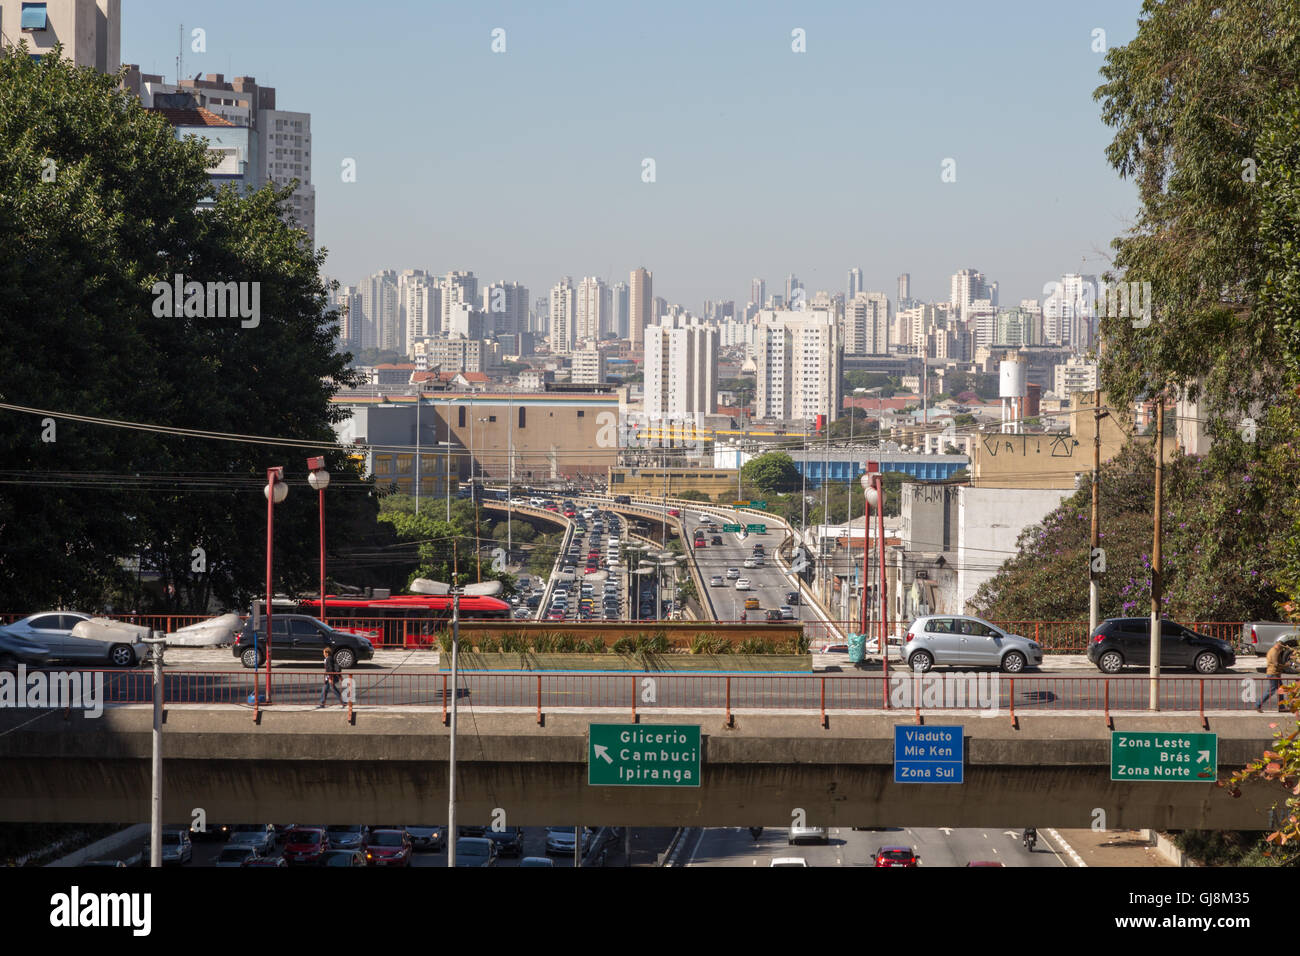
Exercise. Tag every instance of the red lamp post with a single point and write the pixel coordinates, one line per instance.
(319, 479)
(275, 492)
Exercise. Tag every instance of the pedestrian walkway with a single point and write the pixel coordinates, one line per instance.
(1111, 848)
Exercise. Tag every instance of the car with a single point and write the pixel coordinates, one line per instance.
(112, 863)
(266, 861)
(236, 854)
(347, 837)
(260, 836)
(426, 837)
(74, 636)
(475, 851)
(622, 499)
(343, 858)
(15, 650)
(177, 849)
(300, 637)
(717, 581)
(536, 861)
(1120, 642)
(560, 840)
(305, 845)
(509, 841)
(985, 863)
(955, 639)
(518, 502)
(537, 502)
(699, 543)
(895, 856)
(674, 512)
(787, 612)
(742, 584)
(733, 573)
(389, 847)
(751, 604)
(773, 616)
(789, 861)
(555, 616)
(792, 598)
(806, 835)
(753, 562)
(716, 539)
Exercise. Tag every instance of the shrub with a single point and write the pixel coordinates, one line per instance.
(625, 645)
(488, 645)
(593, 645)
(565, 644)
(516, 642)
(710, 644)
(656, 643)
(544, 642)
(756, 645)
(444, 641)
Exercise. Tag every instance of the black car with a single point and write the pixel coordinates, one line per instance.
(300, 637)
(1120, 642)
(792, 598)
(622, 499)
(716, 539)
(510, 841)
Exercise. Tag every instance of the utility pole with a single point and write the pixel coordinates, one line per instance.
(1093, 600)
(1157, 586)
(451, 764)
(156, 644)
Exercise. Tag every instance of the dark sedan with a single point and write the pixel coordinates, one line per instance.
(302, 638)
(1121, 642)
(509, 841)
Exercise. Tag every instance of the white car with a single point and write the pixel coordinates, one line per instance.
(742, 584)
(753, 563)
(787, 612)
(518, 502)
(733, 573)
(789, 861)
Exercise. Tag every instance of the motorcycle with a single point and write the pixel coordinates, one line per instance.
(755, 832)
(1030, 839)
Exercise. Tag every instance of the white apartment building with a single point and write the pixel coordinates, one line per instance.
(457, 287)
(506, 306)
(419, 307)
(866, 324)
(1076, 375)
(855, 284)
(798, 358)
(380, 312)
(1069, 312)
(968, 286)
(564, 309)
(588, 367)
(592, 310)
(681, 368)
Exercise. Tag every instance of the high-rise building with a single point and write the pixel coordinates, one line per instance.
(681, 368)
(855, 284)
(457, 287)
(1076, 375)
(758, 292)
(592, 316)
(506, 307)
(587, 367)
(564, 316)
(904, 289)
(1069, 313)
(866, 324)
(381, 313)
(419, 306)
(798, 357)
(794, 293)
(619, 304)
(640, 305)
(90, 30)
(968, 285)
(540, 317)
(347, 299)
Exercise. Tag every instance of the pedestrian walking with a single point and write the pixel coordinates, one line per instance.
(1276, 661)
(331, 682)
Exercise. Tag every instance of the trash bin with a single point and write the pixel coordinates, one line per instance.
(857, 648)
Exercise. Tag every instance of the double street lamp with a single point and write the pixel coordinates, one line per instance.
(873, 491)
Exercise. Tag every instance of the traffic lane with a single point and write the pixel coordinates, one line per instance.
(768, 583)
(947, 846)
(727, 846)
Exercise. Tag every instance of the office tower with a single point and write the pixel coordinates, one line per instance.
(540, 319)
(794, 293)
(1069, 313)
(758, 292)
(1015, 327)
(506, 307)
(606, 311)
(587, 367)
(968, 285)
(564, 308)
(466, 321)
(866, 324)
(798, 356)
(347, 300)
(725, 310)
(457, 287)
(640, 305)
(591, 316)
(681, 368)
(418, 305)
(381, 315)
(619, 301)
(90, 30)
(904, 289)
(855, 284)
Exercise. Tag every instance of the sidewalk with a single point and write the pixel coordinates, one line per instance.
(1112, 848)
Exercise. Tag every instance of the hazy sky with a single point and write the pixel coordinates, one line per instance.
(527, 165)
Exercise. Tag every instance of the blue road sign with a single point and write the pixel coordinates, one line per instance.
(925, 754)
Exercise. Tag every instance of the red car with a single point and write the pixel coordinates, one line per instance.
(388, 848)
(555, 616)
(305, 845)
(895, 856)
(674, 512)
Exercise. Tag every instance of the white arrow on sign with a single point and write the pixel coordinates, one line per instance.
(603, 753)
(1205, 756)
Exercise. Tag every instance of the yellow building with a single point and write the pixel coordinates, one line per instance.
(672, 482)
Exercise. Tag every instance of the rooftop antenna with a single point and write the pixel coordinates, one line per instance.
(180, 52)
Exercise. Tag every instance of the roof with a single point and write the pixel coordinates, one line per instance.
(195, 117)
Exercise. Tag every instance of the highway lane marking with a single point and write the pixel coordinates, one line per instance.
(1078, 860)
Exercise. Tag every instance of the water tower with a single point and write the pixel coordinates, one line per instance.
(1012, 389)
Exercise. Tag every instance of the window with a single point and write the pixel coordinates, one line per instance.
(34, 17)
(405, 464)
(521, 418)
(462, 417)
(491, 419)
(581, 413)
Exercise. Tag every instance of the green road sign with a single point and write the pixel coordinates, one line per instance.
(760, 505)
(756, 528)
(733, 528)
(643, 755)
(1164, 756)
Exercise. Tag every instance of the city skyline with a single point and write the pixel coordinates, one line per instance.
(726, 201)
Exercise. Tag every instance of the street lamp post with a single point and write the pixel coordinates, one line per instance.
(875, 498)
(275, 492)
(319, 479)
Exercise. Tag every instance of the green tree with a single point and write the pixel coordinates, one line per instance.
(771, 473)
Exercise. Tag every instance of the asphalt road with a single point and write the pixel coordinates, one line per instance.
(845, 847)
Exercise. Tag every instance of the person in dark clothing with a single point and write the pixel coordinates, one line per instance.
(331, 679)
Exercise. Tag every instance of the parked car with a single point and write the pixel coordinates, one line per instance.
(177, 849)
(236, 854)
(100, 640)
(305, 845)
(300, 637)
(1120, 642)
(389, 848)
(509, 842)
(1258, 637)
(946, 639)
(475, 851)
(895, 856)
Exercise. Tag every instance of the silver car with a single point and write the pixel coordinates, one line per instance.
(955, 639)
(53, 631)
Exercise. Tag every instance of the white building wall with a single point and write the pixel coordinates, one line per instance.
(989, 522)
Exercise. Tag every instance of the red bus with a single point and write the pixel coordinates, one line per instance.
(405, 620)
